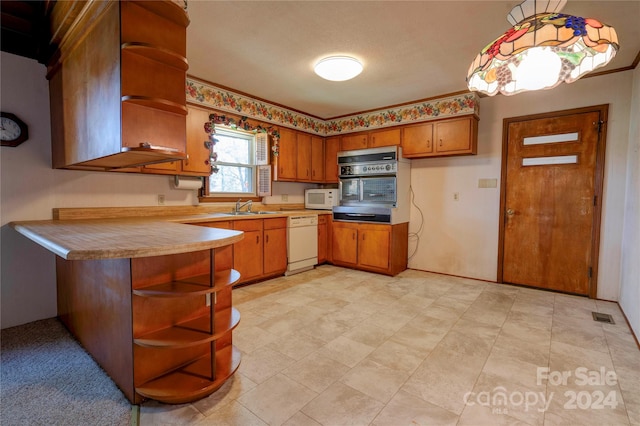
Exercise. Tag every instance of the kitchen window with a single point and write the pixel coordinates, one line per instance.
(235, 163)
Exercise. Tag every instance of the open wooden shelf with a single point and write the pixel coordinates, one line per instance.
(193, 332)
(178, 332)
(156, 103)
(193, 381)
(195, 286)
(157, 53)
(168, 9)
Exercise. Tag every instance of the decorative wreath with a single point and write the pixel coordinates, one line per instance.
(242, 124)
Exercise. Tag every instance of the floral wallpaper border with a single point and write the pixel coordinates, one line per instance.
(226, 100)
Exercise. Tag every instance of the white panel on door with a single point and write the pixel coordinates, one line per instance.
(539, 140)
(546, 161)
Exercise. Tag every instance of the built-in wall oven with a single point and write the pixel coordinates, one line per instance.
(374, 186)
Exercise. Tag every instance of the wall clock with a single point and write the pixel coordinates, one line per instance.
(13, 131)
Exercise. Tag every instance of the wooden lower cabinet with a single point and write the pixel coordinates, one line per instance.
(263, 251)
(275, 246)
(160, 326)
(345, 243)
(371, 247)
(247, 253)
(323, 238)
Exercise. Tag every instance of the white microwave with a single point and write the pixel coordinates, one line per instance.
(321, 199)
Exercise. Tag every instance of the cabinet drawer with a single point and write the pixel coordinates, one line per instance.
(248, 225)
(222, 224)
(275, 223)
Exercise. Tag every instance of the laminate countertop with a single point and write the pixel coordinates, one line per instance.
(130, 237)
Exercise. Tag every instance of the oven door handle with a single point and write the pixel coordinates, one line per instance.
(340, 191)
(360, 215)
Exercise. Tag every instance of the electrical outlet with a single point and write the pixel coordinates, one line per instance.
(456, 196)
(161, 199)
(285, 197)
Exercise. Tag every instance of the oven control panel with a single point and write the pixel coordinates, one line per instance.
(382, 168)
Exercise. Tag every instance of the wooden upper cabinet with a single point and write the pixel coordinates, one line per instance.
(417, 140)
(384, 138)
(301, 157)
(457, 136)
(372, 139)
(303, 169)
(117, 86)
(331, 148)
(352, 142)
(287, 158)
(317, 159)
(198, 161)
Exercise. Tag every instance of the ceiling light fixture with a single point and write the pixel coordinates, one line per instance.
(338, 68)
(543, 49)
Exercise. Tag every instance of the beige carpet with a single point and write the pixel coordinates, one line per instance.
(48, 379)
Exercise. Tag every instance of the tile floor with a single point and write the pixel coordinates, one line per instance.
(335, 346)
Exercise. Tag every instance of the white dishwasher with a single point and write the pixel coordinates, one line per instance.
(302, 243)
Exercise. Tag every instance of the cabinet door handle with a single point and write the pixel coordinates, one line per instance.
(440, 142)
(353, 236)
(257, 239)
(363, 237)
(266, 238)
(428, 143)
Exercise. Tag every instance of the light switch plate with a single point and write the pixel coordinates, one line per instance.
(488, 183)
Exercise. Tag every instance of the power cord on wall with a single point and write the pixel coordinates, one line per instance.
(415, 236)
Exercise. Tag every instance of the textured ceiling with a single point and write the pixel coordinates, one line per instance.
(411, 50)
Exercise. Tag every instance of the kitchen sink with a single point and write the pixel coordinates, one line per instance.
(249, 213)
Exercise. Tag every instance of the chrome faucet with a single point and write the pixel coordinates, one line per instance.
(239, 206)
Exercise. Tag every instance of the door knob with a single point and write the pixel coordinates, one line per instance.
(510, 212)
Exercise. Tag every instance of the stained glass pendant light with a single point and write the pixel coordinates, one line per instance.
(543, 49)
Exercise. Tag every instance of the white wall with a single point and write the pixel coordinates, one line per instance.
(30, 188)
(461, 237)
(458, 238)
(630, 271)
